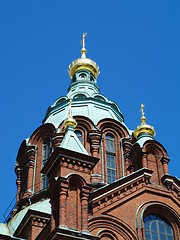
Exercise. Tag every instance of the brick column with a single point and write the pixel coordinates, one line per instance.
(126, 151)
(18, 182)
(95, 142)
(165, 162)
(63, 187)
(54, 210)
(62, 207)
(144, 160)
(30, 158)
(84, 209)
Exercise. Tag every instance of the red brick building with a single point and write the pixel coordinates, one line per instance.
(84, 175)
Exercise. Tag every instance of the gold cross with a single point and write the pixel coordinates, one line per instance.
(83, 39)
(142, 109)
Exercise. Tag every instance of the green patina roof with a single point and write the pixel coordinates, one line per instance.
(71, 142)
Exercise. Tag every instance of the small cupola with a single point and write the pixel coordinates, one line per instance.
(144, 129)
(83, 63)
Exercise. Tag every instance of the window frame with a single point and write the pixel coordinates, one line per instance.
(46, 143)
(80, 138)
(159, 221)
(110, 152)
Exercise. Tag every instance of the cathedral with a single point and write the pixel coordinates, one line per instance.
(83, 174)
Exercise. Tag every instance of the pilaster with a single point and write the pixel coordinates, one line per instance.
(95, 142)
(165, 162)
(30, 158)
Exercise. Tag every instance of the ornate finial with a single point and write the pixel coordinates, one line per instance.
(70, 121)
(143, 118)
(142, 108)
(83, 63)
(83, 50)
(144, 128)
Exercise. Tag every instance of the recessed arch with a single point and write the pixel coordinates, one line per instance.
(79, 96)
(159, 208)
(154, 147)
(44, 131)
(76, 178)
(60, 100)
(99, 97)
(112, 224)
(113, 125)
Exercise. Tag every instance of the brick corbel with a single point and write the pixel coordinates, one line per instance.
(167, 181)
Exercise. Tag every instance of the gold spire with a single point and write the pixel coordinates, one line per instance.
(83, 50)
(70, 121)
(83, 63)
(144, 128)
(143, 118)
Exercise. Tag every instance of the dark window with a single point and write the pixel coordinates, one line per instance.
(110, 159)
(156, 227)
(79, 135)
(79, 96)
(26, 176)
(45, 157)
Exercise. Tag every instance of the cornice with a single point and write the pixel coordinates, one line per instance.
(70, 159)
(105, 198)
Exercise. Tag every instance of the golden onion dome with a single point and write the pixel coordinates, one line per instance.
(144, 128)
(83, 63)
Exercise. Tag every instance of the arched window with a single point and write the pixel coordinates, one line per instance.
(110, 158)
(156, 228)
(45, 157)
(79, 135)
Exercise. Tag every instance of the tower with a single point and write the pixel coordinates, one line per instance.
(84, 175)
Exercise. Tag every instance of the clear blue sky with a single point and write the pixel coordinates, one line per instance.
(135, 43)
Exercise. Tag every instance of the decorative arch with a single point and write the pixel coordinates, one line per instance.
(154, 147)
(38, 138)
(99, 97)
(75, 177)
(156, 158)
(113, 125)
(161, 209)
(118, 131)
(21, 153)
(44, 131)
(60, 100)
(77, 202)
(107, 235)
(112, 226)
(83, 123)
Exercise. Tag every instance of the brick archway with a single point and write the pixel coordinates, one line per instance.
(112, 227)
